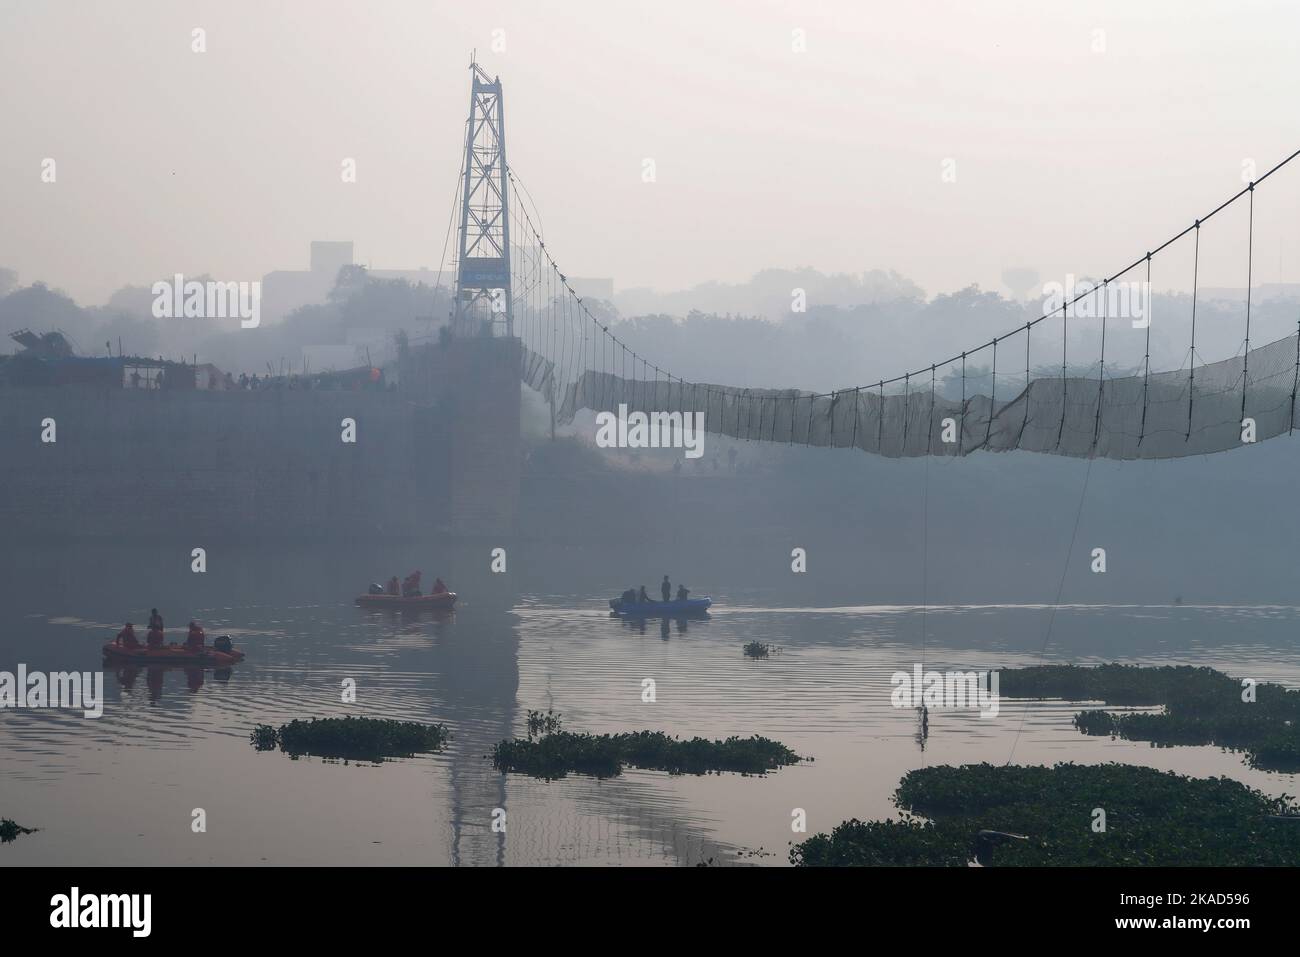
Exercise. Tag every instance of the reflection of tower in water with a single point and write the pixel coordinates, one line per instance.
(623, 820)
(476, 677)
(632, 818)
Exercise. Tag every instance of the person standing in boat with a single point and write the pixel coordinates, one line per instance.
(666, 589)
(155, 635)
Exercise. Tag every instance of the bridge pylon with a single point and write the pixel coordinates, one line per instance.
(484, 304)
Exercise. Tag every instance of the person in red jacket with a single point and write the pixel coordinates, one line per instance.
(194, 639)
(126, 637)
(438, 587)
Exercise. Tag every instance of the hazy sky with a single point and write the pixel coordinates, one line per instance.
(1067, 159)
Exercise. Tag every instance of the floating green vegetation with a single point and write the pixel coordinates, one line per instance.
(1202, 706)
(1038, 816)
(348, 738)
(550, 752)
(10, 831)
(756, 649)
(540, 724)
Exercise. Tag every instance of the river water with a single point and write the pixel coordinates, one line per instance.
(123, 789)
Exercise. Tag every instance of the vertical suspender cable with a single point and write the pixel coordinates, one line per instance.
(561, 311)
(1101, 368)
(961, 420)
(1065, 340)
(552, 351)
(1295, 381)
(1250, 255)
(907, 407)
(854, 441)
(880, 418)
(1191, 369)
(561, 329)
(1146, 362)
(929, 432)
(1025, 424)
(993, 395)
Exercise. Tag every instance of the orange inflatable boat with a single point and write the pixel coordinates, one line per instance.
(172, 654)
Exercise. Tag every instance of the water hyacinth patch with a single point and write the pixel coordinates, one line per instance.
(1202, 706)
(903, 843)
(555, 754)
(349, 738)
(542, 724)
(1154, 818)
(11, 830)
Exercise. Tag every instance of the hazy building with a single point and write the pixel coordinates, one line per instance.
(285, 290)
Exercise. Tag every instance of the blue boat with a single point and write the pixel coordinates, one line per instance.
(659, 609)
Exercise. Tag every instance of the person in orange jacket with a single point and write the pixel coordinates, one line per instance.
(126, 637)
(194, 639)
(438, 587)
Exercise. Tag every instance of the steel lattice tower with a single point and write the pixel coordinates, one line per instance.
(483, 295)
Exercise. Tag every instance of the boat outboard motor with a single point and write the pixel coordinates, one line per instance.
(223, 644)
(376, 589)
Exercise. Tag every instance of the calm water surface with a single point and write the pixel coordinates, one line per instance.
(121, 789)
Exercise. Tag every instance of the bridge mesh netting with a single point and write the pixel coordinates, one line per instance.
(1164, 415)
